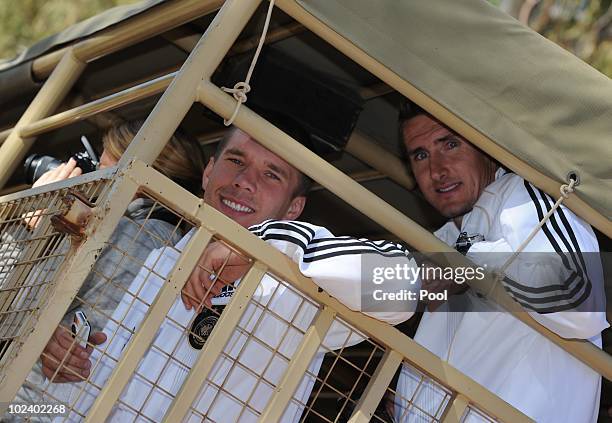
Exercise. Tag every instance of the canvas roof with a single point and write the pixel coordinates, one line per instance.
(527, 94)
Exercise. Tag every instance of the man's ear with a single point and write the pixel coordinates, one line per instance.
(295, 208)
(207, 171)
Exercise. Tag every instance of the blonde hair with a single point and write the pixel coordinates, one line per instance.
(182, 159)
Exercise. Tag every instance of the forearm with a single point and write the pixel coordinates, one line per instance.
(553, 287)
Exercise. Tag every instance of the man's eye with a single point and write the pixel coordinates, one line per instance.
(452, 144)
(235, 161)
(419, 156)
(273, 176)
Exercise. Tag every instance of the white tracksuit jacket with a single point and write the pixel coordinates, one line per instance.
(494, 348)
(167, 363)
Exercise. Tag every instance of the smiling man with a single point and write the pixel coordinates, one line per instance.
(450, 172)
(244, 181)
(491, 212)
(249, 184)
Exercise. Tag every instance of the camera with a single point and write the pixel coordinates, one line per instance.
(36, 165)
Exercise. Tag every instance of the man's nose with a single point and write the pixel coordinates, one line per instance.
(438, 169)
(246, 179)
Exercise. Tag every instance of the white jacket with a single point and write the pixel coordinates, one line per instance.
(494, 348)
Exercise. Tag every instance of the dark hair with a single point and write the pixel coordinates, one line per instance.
(407, 111)
(304, 182)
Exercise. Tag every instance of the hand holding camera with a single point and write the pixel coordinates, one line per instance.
(42, 170)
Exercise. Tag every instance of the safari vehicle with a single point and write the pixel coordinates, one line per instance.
(340, 67)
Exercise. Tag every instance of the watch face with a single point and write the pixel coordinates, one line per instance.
(202, 327)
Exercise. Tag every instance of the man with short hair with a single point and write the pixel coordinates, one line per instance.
(484, 201)
(249, 184)
(244, 181)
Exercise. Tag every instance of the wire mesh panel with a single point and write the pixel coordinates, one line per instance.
(133, 293)
(180, 337)
(338, 382)
(31, 252)
(119, 296)
(145, 226)
(252, 364)
(474, 415)
(339, 375)
(419, 398)
(243, 377)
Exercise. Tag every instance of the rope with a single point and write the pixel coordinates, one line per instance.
(241, 89)
(566, 190)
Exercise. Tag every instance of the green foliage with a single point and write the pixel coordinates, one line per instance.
(581, 27)
(26, 21)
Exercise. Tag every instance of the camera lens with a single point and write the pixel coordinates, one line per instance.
(35, 165)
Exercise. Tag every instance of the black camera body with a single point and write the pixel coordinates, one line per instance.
(36, 165)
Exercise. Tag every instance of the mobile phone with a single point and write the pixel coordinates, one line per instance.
(80, 328)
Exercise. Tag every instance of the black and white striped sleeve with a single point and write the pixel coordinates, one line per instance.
(557, 277)
(333, 263)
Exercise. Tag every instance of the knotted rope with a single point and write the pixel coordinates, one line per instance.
(241, 89)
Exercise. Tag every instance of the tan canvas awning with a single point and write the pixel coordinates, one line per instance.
(529, 96)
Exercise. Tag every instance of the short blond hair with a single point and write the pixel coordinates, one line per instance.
(182, 159)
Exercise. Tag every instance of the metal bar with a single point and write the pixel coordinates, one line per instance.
(137, 92)
(14, 148)
(87, 110)
(180, 95)
(377, 209)
(368, 151)
(14, 188)
(297, 367)
(315, 167)
(4, 134)
(366, 407)
(106, 173)
(456, 409)
(187, 41)
(146, 332)
(73, 272)
(165, 190)
(375, 90)
(479, 139)
(274, 35)
(363, 176)
(160, 19)
(216, 343)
